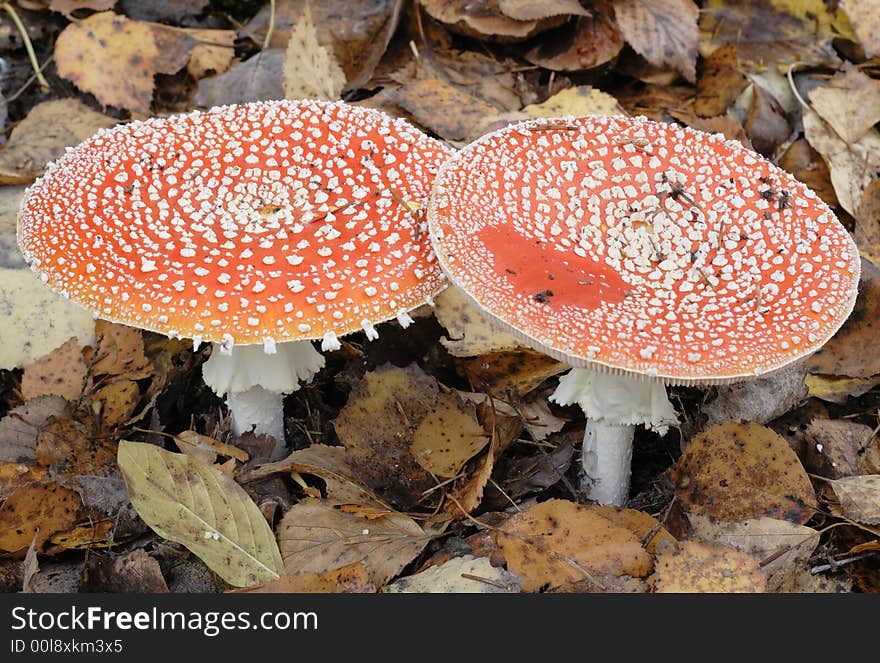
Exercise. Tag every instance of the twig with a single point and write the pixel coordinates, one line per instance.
(30, 80)
(833, 564)
(29, 47)
(271, 28)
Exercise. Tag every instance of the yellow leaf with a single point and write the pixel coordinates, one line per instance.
(310, 70)
(199, 507)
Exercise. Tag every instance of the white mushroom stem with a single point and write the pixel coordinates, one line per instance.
(614, 405)
(255, 379)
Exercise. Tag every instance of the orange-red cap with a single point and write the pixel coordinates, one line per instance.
(629, 245)
(255, 223)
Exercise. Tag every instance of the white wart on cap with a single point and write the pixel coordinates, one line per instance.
(257, 223)
(633, 246)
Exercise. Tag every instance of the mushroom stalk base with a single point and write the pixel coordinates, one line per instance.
(262, 410)
(606, 456)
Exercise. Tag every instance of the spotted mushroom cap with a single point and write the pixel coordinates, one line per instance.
(639, 247)
(254, 223)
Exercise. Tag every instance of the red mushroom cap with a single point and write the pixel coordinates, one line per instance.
(641, 247)
(254, 223)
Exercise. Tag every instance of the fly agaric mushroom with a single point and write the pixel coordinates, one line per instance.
(642, 254)
(261, 226)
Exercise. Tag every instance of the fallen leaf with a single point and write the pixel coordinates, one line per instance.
(65, 446)
(864, 15)
(536, 472)
(771, 33)
(43, 135)
(765, 123)
(116, 403)
(213, 52)
(849, 101)
(760, 399)
(377, 425)
(735, 471)
(460, 575)
(853, 166)
(131, 572)
(115, 58)
(783, 548)
(448, 437)
(648, 529)
(836, 447)
(87, 534)
(586, 43)
(720, 82)
(165, 11)
(806, 164)
(310, 70)
(21, 426)
(120, 352)
(867, 230)
(559, 542)
(31, 566)
(470, 331)
(257, 78)
(62, 372)
(664, 32)
(853, 351)
(67, 7)
(533, 10)
(466, 494)
(859, 497)
(316, 536)
(578, 101)
(350, 579)
(485, 20)
(199, 507)
(694, 567)
(443, 108)
(16, 475)
(191, 442)
(26, 307)
(515, 372)
(40, 509)
(836, 389)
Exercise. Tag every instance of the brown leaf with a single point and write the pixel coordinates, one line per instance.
(316, 536)
(647, 528)
(765, 123)
(735, 471)
(43, 135)
(67, 7)
(377, 424)
(10, 201)
(517, 371)
(443, 108)
(559, 542)
(212, 53)
(21, 426)
(120, 352)
(836, 389)
(62, 372)
(351, 579)
(65, 446)
(116, 59)
(859, 497)
(533, 10)
(663, 31)
(849, 102)
(38, 508)
(867, 230)
(836, 447)
(865, 19)
(117, 402)
(485, 20)
(719, 83)
(470, 331)
(16, 475)
(589, 42)
(257, 78)
(807, 165)
(853, 351)
(448, 437)
(581, 100)
(694, 567)
(538, 471)
(132, 572)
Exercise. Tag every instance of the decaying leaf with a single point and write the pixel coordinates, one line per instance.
(62, 372)
(133, 571)
(514, 372)
(853, 165)
(838, 389)
(25, 307)
(859, 497)
(485, 20)
(40, 509)
(201, 508)
(864, 15)
(758, 400)
(782, 548)
(581, 100)
(470, 331)
(460, 575)
(67, 7)
(559, 542)
(586, 43)
(351, 579)
(21, 426)
(442, 107)
(694, 567)
(377, 425)
(806, 164)
(257, 78)
(720, 82)
(65, 446)
(853, 351)
(116, 59)
(448, 436)
(212, 53)
(116, 402)
(16, 475)
(736, 471)
(205, 448)
(310, 70)
(317, 536)
(664, 32)
(120, 351)
(538, 471)
(836, 447)
(42, 136)
(849, 102)
(10, 201)
(867, 230)
(533, 10)
(647, 528)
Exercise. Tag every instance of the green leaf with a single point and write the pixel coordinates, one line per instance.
(198, 506)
